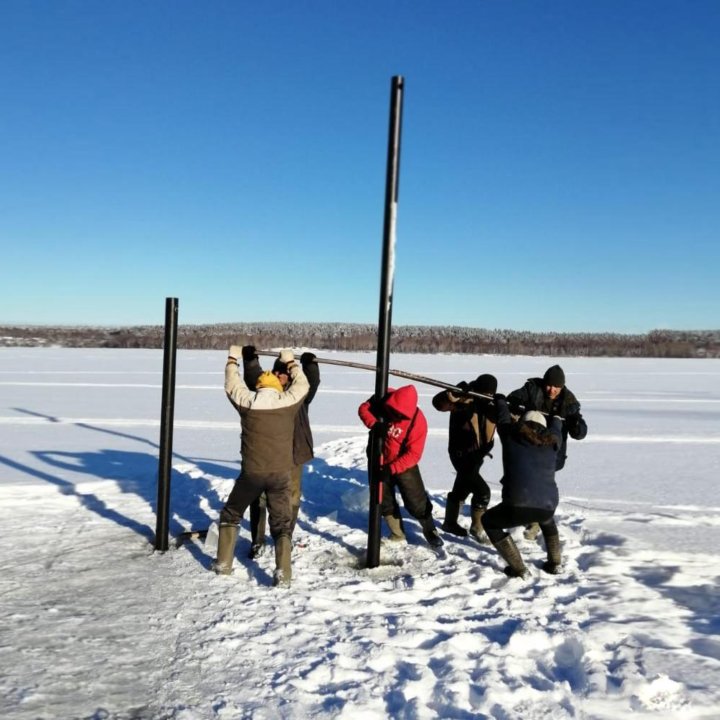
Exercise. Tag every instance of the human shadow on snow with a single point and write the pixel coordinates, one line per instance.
(132, 472)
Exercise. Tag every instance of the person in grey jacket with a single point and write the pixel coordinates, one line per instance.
(302, 439)
(529, 492)
(267, 417)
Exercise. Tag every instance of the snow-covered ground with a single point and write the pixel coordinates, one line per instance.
(94, 624)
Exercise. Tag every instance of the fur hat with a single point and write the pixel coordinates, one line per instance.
(484, 384)
(280, 366)
(268, 380)
(534, 416)
(554, 376)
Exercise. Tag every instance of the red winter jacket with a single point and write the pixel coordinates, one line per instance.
(408, 421)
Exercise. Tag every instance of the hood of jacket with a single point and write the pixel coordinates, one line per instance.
(403, 401)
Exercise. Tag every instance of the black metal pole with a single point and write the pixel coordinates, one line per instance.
(166, 424)
(377, 434)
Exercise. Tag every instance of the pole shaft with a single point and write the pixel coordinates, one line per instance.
(166, 424)
(385, 315)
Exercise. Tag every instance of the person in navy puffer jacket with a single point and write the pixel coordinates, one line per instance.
(529, 492)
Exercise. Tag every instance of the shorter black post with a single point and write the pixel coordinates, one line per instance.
(166, 424)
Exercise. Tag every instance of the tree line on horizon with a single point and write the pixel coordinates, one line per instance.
(363, 337)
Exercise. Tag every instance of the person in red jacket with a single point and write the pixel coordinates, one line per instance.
(402, 450)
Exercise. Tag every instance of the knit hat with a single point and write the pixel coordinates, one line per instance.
(534, 416)
(484, 384)
(268, 380)
(554, 376)
(280, 366)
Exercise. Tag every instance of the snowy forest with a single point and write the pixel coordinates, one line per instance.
(363, 337)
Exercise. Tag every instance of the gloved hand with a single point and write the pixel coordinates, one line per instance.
(235, 352)
(499, 396)
(249, 354)
(307, 357)
(462, 385)
(288, 357)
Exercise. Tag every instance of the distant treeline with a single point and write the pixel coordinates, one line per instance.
(359, 337)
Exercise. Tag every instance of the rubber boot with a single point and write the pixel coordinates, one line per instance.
(553, 566)
(397, 533)
(476, 527)
(430, 533)
(258, 518)
(531, 531)
(227, 537)
(283, 568)
(511, 555)
(450, 524)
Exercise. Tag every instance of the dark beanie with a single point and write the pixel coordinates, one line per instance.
(280, 367)
(554, 376)
(485, 384)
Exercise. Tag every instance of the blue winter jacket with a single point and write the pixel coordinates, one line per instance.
(529, 454)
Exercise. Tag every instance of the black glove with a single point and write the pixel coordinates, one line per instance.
(248, 353)
(499, 396)
(307, 358)
(462, 385)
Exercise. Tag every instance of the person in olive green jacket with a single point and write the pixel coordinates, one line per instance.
(267, 417)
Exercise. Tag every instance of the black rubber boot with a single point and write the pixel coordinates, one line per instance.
(450, 524)
(430, 533)
(511, 555)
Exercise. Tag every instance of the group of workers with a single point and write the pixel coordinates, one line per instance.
(533, 423)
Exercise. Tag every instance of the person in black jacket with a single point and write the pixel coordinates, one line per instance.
(529, 492)
(470, 440)
(302, 440)
(550, 395)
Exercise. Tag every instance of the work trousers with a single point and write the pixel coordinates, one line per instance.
(500, 517)
(412, 492)
(248, 487)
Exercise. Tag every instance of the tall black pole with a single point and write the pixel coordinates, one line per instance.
(377, 434)
(166, 424)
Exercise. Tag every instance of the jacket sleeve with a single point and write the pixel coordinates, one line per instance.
(312, 372)
(576, 426)
(235, 387)
(414, 446)
(366, 413)
(251, 372)
(555, 429)
(520, 399)
(503, 419)
(298, 387)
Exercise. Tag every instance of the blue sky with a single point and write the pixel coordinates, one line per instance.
(560, 165)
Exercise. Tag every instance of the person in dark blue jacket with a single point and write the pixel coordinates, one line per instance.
(529, 492)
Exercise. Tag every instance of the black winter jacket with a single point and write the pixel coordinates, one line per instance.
(531, 396)
(471, 427)
(529, 451)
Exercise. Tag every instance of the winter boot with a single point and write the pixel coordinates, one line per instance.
(450, 524)
(227, 537)
(397, 532)
(283, 568)
(430, 533)
(258, 518)
(531, 531)
(511, 555)
(553, 566)
(476, 527)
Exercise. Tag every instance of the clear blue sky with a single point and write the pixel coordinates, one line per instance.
(560, 164)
